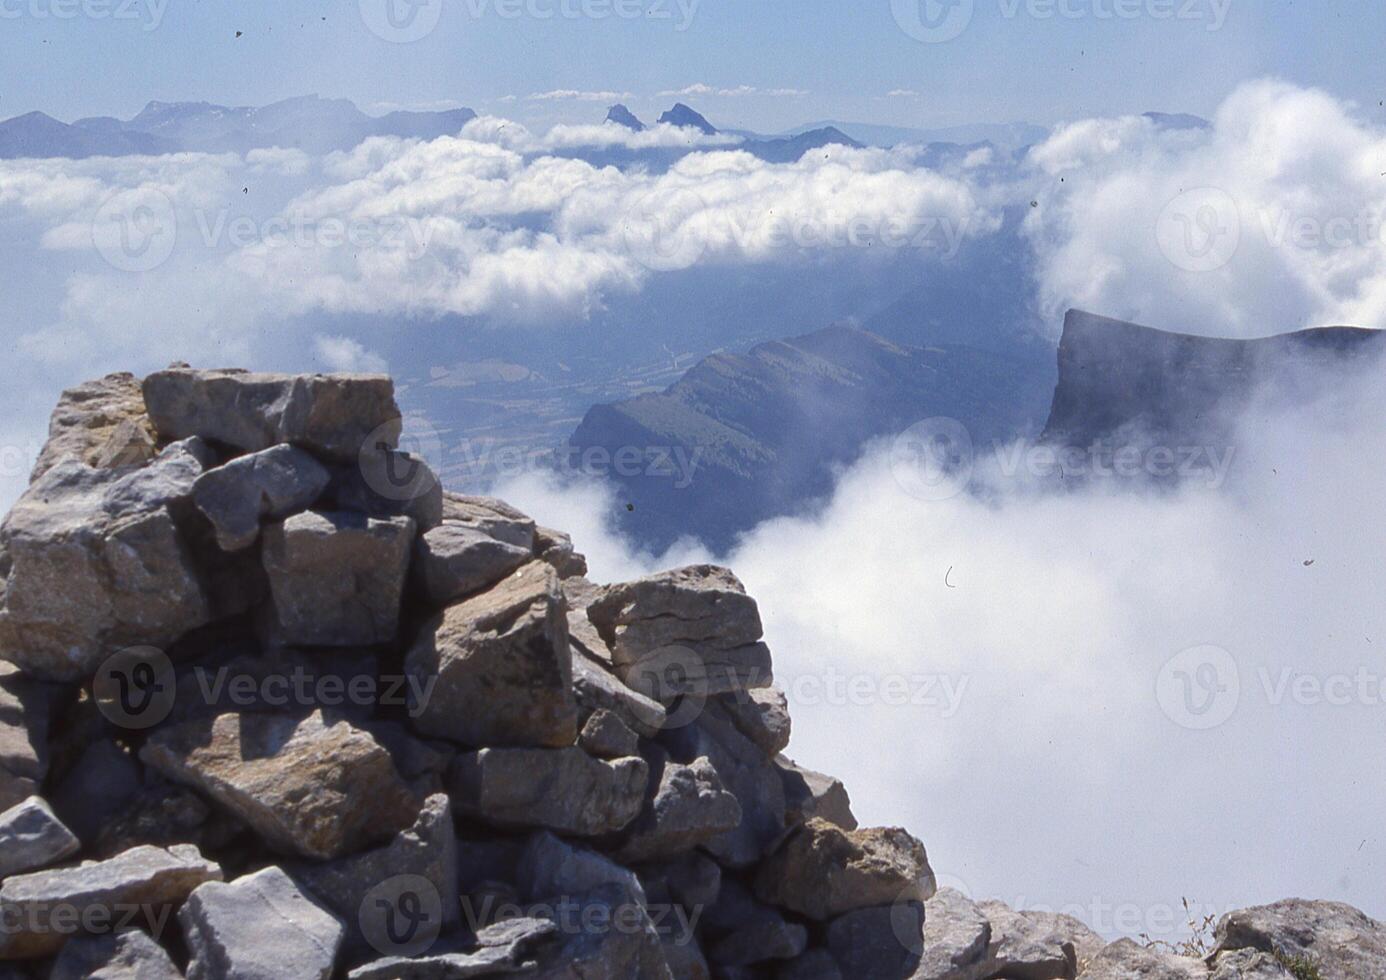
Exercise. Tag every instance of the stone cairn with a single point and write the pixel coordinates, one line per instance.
(275, 705)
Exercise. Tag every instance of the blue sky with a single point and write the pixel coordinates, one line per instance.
(1036, 60)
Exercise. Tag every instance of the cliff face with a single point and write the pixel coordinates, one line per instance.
(1176, 389)
(273, 704)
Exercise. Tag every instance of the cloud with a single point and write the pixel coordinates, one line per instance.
(572, 95)
(739, 91)
(345, 354)
(902, 93)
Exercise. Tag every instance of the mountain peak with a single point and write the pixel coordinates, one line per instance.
(622, 116)
(682, 116)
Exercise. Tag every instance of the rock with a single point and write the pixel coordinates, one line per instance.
(810, 794)
(746, 932)
(274, 483)
(564, 790)
(689, 807)
(1128, 960)
(1031, 944)
(97, 564)
(603, 935)
(105, 772)
(556, 549)
(761, 715)
(499, 666)
(1337, 939)
(884, 943)
(550, 869)
(307, 787)
(31, 837)
(1248, 964)
(24, 713)
(332, 415)
(823, 871)
(261, 927)
(161, 815)
(700, 617)
(684, 958)
(955, 939)
(427, 850)
(500, 949)
(692, 880)
(748, 775)
(338, 578)
(386, 483)
(453, 561)
(606, 736)
(100, 423)
(596, 689)
(492, 517)
(816, 964)
(46, 907)
(127, 955)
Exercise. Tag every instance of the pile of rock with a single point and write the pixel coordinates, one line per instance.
(275, 705)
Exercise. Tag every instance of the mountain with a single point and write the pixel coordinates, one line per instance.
(1178, 120)
(622, 116)
(1122, 380)
(309, 123)
(756, 435)
(790, 149)
(682, 115)
(1005, 136)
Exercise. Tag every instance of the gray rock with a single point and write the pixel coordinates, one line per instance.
(810, 794)
(97, 564)
(597, 689)
(606, 736)
(24, 713)
(105, 772)
(127, 955)
(604, 935)
(1031, 945)
(883, 943)
(492, 517)
(94, 422)
(746, 932)
(556, 549)
(453, 561)
(816, 964)
(274, 483)
(690, 807)
(1128, 960)
(308, 788)
(700, 616)
(426, 850)
(761, 715)
(692, 880)
(386, 483)
(550, 868)
(338, 578)
(563, 790)
(31, 837)
(1248, 964)
(1337, 939)
(260, 927)
(333, 415)
(160, 814)
(504, 948)
(955, 939)
(750, 776)
(498, 668)
(685, 958)
(102, 895)
(823, 871)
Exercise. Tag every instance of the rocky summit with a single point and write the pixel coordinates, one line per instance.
(275, 705)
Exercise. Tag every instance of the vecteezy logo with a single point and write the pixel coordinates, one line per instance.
(401, 21)
(933, 459)
(676, 677)
(933, 21)
(1199, 688)
(664, 232)
(136, 230)
(409, 472)
(1200, 230)
(402, 916)
(135, 688)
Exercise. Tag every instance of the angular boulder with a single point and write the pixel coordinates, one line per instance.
(31, 837)
(96, 563)
(597, 689)
(126, 955)
(1126, 958)
(563, 790)
(260, 927)
(499, 667)
(505, 948)
(606, 736)
(338, 578)
(885, 942)
(307, 787)
(493, 518)
(810, 794)
(955, 938)
(274, 483)
(1033, 943)
(101, 423)
(605, 933)
(750, 776)
(744, 932)
(762, 715)
(24, 714)
(550, 868)
(823, 871)
(1335, 939)
(689, 807)
(1249, 964)
(453, 561)
(39, 909)
(333, 415)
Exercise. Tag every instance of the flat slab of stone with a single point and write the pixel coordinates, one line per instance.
(127, 955)
(101, 423)
(563, 790)
(274, 483)
(504, 948)
(133, 888)
(260, 927)
(596, 688)
(338, 578)
(328, 414)
(823, 871)
(308, 788)
(492, 517)
(1337, 939)
(453, 561)
(32, 837)
(498, 667)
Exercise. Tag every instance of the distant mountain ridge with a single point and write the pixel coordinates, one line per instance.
(309, 123)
